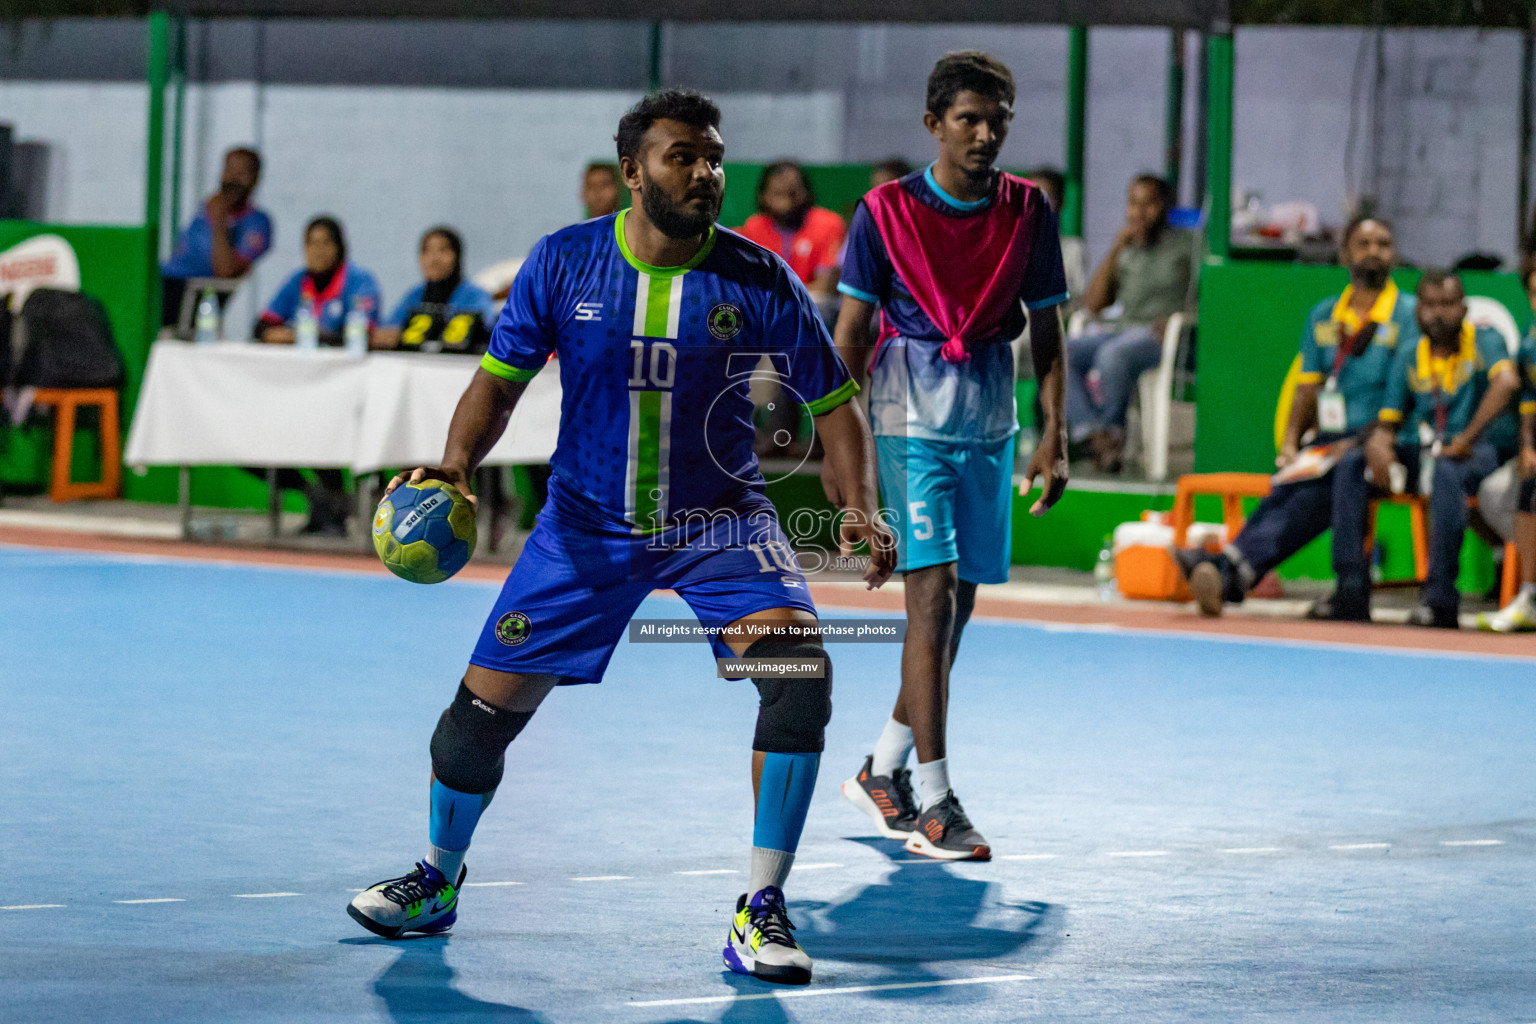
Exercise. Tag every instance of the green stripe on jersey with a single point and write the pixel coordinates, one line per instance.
(647, 456)
(506, 371)
(828, 402)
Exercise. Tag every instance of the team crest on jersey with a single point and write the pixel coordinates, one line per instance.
(724, 322)
(513, 628)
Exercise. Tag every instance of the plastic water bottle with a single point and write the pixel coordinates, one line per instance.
(1104, 571)
(306, 329)
(205, 323)
(354, 334)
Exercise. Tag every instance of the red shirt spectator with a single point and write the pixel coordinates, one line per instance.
(789, 223)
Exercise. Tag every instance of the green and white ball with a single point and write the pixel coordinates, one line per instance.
(424, 532)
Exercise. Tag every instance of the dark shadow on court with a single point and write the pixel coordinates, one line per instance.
(922, 923)
(418, 989)
(922, 914)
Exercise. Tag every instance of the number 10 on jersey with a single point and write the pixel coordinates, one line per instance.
(653, 365)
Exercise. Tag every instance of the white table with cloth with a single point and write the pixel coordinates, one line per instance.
(244, 404)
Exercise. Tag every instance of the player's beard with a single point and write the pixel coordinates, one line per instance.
(674, 220)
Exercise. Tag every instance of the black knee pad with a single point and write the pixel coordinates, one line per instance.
(793, 714)
(1528, 495)
(470, 744)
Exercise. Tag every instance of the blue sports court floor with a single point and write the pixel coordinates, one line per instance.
(199, 763)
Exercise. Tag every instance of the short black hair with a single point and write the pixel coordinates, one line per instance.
(686, 105)
(895, 166)
(777, 167)
(612, 170)
(1159, 185)
(1436, 276)
(250, 154)
(1365, 218)
(967, 70)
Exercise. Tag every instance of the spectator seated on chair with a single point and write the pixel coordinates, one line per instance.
(328, 287)
(1520, 614)
(445, 313)
(1148, 272)
(1347, 350)
(1444, 393)
(224, 239)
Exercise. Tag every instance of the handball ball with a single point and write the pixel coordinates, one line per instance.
(424, 532)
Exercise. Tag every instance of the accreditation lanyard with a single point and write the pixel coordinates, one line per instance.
(1350, 346)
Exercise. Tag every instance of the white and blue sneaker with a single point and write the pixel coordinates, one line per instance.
(760, 944)
(421, 901)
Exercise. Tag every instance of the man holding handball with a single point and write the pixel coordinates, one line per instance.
(658, 316)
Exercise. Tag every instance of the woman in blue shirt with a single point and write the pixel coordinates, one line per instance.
(328, 285)
(445, 313)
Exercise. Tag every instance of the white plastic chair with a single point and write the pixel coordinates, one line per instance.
(1154, 391)
(1486, 312)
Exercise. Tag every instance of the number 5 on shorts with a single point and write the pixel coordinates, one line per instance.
(922, 526)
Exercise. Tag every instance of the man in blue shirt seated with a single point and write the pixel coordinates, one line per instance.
(224, 239)
(1443, 393)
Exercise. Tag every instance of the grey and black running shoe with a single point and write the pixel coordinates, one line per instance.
(887, 799)
(945, 833)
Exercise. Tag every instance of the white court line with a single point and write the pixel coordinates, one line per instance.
(1252, 849)
(1027, 856)
(603, 878)
(263, 895)
(1138, 853)
(1471, 842)
(468, 884)
(815, 867)
(34, 906)
(805, 993)
(710, 871)
(1361, 846)
(162, 899)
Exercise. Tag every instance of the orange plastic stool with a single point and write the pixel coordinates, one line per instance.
(1232, 488)
(65, 402)
(1418, 529)
(1149, 573)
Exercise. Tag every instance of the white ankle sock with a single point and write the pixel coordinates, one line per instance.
(1528, 591)
(769, 867)
(892, 748)
(932, 781)
(447, 861)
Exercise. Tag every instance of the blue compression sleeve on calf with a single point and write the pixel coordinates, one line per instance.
(454, 816)
(784, 797)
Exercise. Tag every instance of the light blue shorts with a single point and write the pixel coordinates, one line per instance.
(950, 502)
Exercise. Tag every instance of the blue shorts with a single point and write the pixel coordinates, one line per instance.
(953, 502)
(571, 594)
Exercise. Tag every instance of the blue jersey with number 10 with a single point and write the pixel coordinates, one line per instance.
(656, 365)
